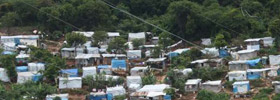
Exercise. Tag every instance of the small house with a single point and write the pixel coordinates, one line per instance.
(111, 36)
(21, 68)
(215, 86)
(206, 41)
(116, 91)
(69, 53)
(237, 75)
(200, 63)
(92, 50)
(140, 35)
(247, 54)
(156, 63)
(241, 87)
(3, 75)
(154, 92)
(70, 72)
(21, 40)
(133, 83)
(274, 60)
(138, 71)
(155, 40)
(22, 58)
(36, 66)
(9, 46)
(238, 65)
(253, 74)
(104, 68)
(118, 64)
(70, 82)
(98, 96)
(134, 54)
(107, 58)
(276, 85)
(177, 52)
(89, 71)
(87, 59)
(211, 51)
(192, 85)
(253, 44)
(61, 96)
(28, 76)
(267, 41)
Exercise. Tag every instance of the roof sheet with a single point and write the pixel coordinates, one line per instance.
(87, 56)
(192, 81)
(155, 59)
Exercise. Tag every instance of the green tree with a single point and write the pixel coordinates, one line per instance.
(8, 20)
(274, 29)
(53, 67)
(220, 41)
(99, 36)
(75, 39)
(137, 42)
(117, 45)
(156, 52)
(8, 62)
(165, 40)
(149, 79)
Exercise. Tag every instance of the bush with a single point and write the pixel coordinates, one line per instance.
(257, 83)
(170, 91)
(208, 95)
(150, 79)
(263, 94)
(276, 97)
(228, 84)
(119, 97)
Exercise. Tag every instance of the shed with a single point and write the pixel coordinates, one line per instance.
(268, 41)
(107, 58)
(150, 92)
(215, 86)
(28, 76)
(116, 91)
(200, 63)
(253, 44)
(111, 36)
(134, 54)
(22, 58)
(70, 82)
(87, 59)
(70, 72)
(118, 64)
(155, 40)
(139, 35)
(237, 75)
(206, 41)
(156, 63)
(276, 85)
(133, 83)
(21, 39)
(92, 50)
(192, 85)
(9, 46)
(253, 74)
(211, 51)
(86, 34)
(177, 52)
(138, 71)
(89, 71)
(274, 60)
(104, 68)
(241, 87)
(70, 52)
(36, 66)
(238, 65)
(247, 54)
(21, 68)
(61, 96)
(3, 75)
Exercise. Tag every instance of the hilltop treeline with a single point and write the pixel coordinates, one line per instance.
(190, 19)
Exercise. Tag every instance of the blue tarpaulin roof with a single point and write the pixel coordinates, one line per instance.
(103, 66)
(21, 68)
(7, 53)
(71, 72)
(172, 54)
(253, 63)
(36, 77)
(253, 75)
(223, 53)
(167, 97)
(119, 64)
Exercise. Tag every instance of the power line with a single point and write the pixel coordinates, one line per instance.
(138, 18)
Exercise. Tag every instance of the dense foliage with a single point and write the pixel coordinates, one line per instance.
(208, 95)
(189, 19)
